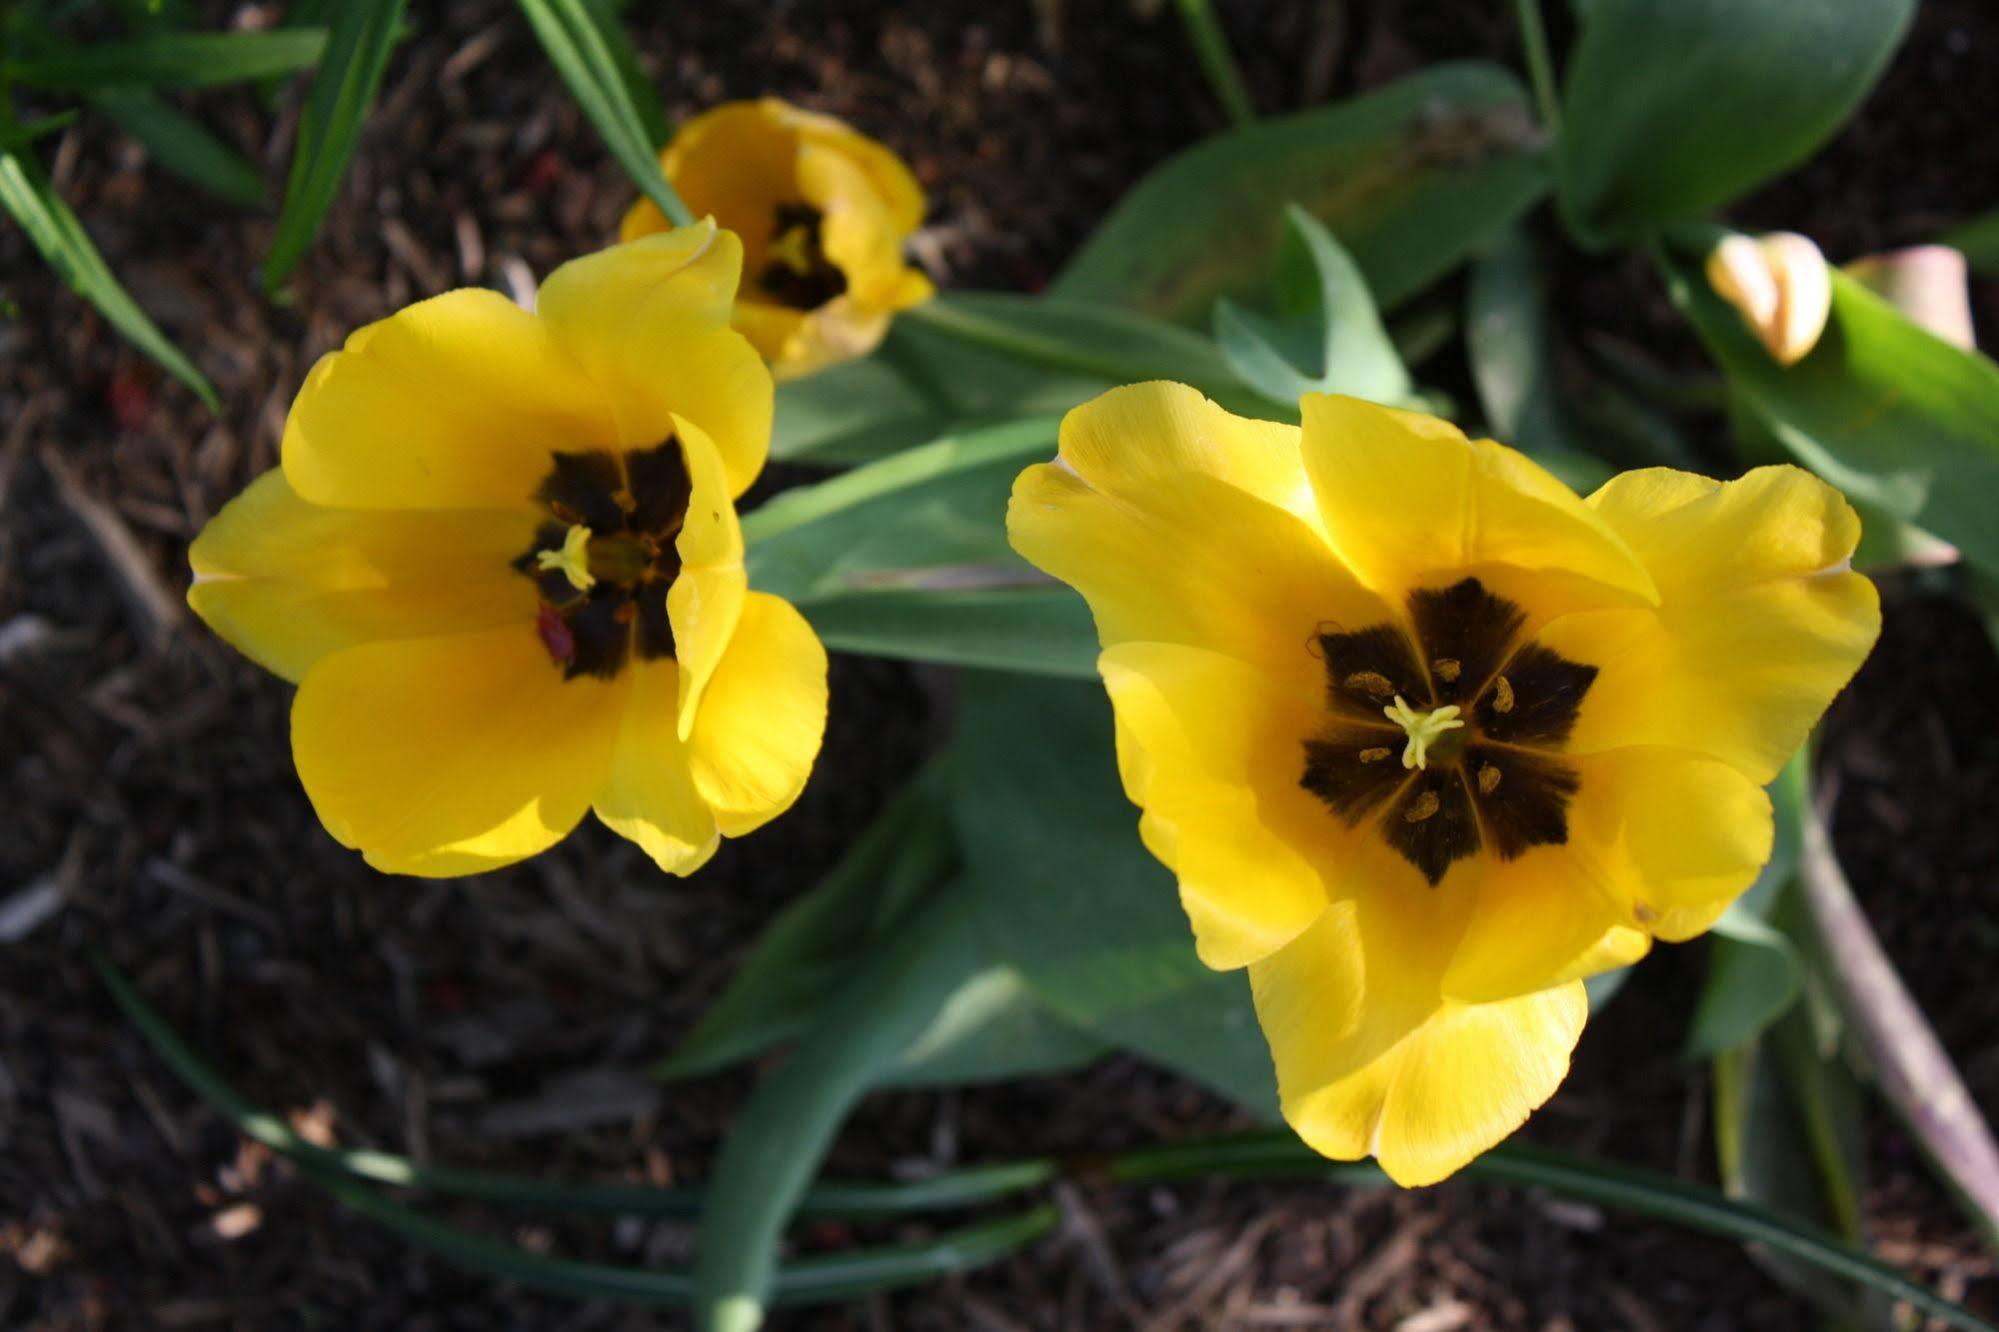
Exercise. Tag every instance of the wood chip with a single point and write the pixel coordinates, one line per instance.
(156, 611)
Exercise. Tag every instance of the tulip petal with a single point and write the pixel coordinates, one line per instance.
(457, 402)
(1372, 1061)
(1212, 751)
(447, 756)
(763, 718)
(1181, 523)
(650, 796)
(1671, 836)
(1408, 501)
(649, 322)
(286, 582)
(1761, 620)
(706, 600)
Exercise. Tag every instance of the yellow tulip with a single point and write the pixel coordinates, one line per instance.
(500, 558)
(1425, 737)
(823, 212)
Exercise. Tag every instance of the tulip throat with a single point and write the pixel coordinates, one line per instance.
(1481, 713)
(607, 557)
(1425, 729)
(796, 271)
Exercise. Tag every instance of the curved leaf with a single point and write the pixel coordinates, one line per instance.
(1671, 109)
(1411, 178)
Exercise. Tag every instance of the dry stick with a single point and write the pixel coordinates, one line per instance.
(1911, 1067)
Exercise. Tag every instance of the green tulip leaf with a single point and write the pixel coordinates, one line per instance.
(1891, 414)
(1672, 109)
(1411, 179)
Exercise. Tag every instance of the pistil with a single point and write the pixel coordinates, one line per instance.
(1423, 728)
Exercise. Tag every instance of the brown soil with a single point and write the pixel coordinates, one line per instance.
(144, 769)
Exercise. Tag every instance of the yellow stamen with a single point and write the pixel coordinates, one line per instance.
(1424, 729)
(573, 559)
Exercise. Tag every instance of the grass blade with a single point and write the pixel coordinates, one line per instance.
(575, 41)
(1275, 1154)
(821, 1279)
(625, 58)
(837, 1276)
(1218, 64)
(172, 60)
(180, 145)
(25, 192)
(343, 89)
(827, 1199)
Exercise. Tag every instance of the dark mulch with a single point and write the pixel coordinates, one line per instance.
(144, 769)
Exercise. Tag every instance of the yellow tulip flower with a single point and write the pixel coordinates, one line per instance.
(1427, 738)
(500, 558)
(823, 212)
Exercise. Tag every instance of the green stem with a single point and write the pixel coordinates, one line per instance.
(1541, 69)
(1218, 64)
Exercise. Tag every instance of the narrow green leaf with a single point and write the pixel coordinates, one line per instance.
(1037, 630)
(827, 1277)
(825, 937)
(779, 1138)
(1278, 1154)
(1218, 64)
(918, 386)
(1671, 110)
(1411, 178)
(638, 88)
(343, 89)
(25, 193)
(1327, 336)
(821, 1279)
(172, 60)
(1882, 409)
(796, 538)
(180, 145)
(1082, 338)
(967, 1187)
(575, 42)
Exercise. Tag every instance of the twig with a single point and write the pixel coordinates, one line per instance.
(1910, 1065)
(157, 610)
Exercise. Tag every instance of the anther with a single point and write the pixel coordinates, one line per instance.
(573, 559)
(1422, 807)
(1448, 669)
(1488, 779)
(1423, 728)
(1374, 755)
(1502, 695)
(1371, 682)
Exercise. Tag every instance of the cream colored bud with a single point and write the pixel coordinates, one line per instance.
(1781, 286)
(1928, 283)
